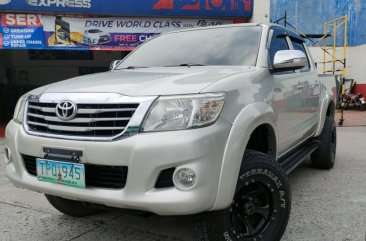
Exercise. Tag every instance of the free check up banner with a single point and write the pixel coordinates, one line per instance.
(34, 31)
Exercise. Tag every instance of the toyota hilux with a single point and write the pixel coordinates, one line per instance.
(202, 121)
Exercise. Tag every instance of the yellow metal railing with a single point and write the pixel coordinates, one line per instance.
(333, 63)
(336, 61)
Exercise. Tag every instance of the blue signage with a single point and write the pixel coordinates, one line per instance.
(137, 8)
(22, 37)
(21, 31)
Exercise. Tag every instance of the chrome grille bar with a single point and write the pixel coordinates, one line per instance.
(81, 111)
(78, 120)
(43, 109)
(73, 128)
(89, 111)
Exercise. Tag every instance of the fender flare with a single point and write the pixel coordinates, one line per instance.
(249, 118)
(326, 101)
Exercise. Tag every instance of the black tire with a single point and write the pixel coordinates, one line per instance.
(362, 107)
(70, 207)
(260, 209)
(324, 156)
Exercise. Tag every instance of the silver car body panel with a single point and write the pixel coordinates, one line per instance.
(149, 81)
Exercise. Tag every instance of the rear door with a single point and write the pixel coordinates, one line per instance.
(310, 82)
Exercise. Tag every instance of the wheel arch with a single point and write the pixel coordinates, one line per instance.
(246, 130)
(331, 109)
(327, 109)
(263, 139)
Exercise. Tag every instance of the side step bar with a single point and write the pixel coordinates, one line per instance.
(291, 160)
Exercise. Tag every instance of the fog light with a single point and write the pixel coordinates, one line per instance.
(185, 178)
(7, 156)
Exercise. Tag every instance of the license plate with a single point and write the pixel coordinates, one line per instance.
(66, 173)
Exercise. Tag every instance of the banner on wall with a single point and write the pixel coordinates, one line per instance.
(137, 8)
(31, 31)
(21, 32)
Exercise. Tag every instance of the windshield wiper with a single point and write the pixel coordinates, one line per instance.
(133, 67)
(187, 65)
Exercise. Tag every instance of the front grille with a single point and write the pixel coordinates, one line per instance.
(165, 178)
(30, 164)
(91, 120)
(105, 176)
(95, 175)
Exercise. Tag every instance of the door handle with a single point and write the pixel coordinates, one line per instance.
(277, 90)
(300, 86)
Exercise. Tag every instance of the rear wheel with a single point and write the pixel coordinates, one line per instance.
(363, 107)
(324, 156)
(70, 207)
(260, 208)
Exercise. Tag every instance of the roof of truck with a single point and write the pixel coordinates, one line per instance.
(289, 32)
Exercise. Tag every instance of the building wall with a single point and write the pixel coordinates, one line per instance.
(5, 62)
(309, 15)
(261, 11)
(49, 71)
(356, 59)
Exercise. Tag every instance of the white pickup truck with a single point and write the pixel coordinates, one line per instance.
(207, 120)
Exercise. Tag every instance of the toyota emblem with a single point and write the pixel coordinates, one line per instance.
(66, 110)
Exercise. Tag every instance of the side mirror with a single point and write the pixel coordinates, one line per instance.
(114, 64)
(286, 60)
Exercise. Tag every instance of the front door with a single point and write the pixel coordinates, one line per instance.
(288, 92)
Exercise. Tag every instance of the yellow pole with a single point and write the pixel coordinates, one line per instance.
(324, 50)
(336, 19)
(345, 45)
(334, 46)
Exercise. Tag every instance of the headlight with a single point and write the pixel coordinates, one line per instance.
(184, 112)
(19, 109)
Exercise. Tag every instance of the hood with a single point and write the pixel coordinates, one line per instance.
(148, 81)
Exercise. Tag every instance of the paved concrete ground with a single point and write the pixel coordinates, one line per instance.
(327, 205)
(351, 118)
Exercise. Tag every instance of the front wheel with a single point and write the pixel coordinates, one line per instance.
(260, 208)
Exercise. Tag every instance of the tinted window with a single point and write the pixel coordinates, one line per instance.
(94, 31)
(218, 46)
(298, 45)
(278, 43)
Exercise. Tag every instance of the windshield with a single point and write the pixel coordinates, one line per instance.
(94, 31)
(212, 46)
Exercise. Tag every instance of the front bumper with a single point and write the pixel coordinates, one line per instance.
(145, 155)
